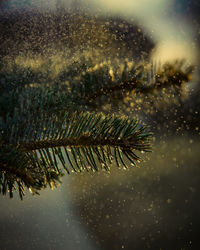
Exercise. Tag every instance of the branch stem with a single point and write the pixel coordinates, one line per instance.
(85, 141)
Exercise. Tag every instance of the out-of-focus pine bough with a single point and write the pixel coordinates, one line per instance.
(47, 128)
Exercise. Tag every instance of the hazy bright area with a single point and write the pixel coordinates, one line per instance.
(153, 206)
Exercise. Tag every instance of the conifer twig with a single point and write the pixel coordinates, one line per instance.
(144, 81)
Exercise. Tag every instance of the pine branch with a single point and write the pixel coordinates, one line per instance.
(16, 170)
(85, 90)
(40, 129)
(44, 126)
(79, 141)
(78, 130)
(106, 82)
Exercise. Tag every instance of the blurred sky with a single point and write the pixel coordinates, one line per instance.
(164, 20)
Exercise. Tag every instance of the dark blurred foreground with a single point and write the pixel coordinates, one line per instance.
(154, 206)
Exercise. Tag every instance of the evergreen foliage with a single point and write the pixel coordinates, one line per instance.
(51, 127)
